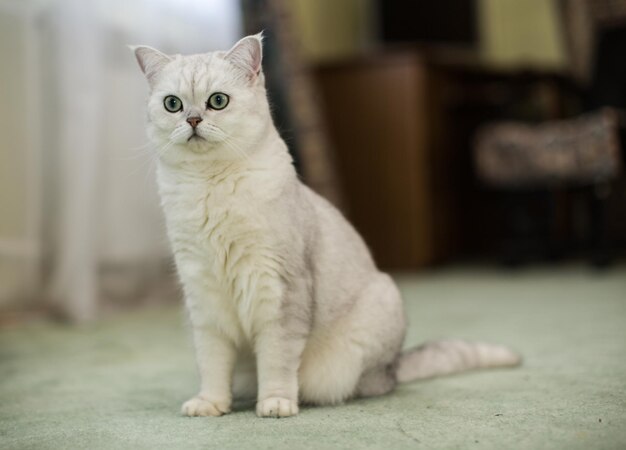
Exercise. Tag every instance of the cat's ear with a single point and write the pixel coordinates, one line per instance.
(247, 55)
(150, 60)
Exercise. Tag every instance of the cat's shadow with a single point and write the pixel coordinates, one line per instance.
(247, 405)
(241, 405)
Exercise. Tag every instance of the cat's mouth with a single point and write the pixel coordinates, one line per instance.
(195, 137)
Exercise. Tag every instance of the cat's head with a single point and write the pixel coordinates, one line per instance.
(207, 106)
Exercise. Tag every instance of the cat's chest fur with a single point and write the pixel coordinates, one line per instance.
(226, 246)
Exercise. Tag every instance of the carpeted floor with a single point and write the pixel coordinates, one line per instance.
(119, 384)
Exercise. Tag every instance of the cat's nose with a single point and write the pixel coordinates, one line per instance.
(194, 121)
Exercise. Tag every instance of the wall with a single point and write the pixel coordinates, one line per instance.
(19, 245)
(331, 29)
(524, 33)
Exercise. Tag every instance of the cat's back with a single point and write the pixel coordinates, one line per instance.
(342, 261)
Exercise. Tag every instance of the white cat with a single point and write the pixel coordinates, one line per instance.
(283, 296)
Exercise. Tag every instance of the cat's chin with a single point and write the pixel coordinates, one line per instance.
(198, 144)
(196, 150)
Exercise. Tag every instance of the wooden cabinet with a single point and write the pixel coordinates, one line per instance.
(382, 119)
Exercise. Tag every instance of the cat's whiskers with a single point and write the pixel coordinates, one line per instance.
(232, 146)
(141, 152)
(239, 139)
(226, 140)
(151, 159)
(144, 146)
(174, 136)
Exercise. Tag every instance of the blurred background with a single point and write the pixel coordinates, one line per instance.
(475, 132)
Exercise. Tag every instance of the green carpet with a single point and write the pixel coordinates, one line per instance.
(119, 384)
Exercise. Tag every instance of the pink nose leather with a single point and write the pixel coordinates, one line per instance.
(194, 121)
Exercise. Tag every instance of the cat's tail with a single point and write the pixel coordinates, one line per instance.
(450, 356)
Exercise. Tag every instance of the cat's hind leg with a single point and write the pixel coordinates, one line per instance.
(358, 355)
(382, 316)
(377, 381)
(330, 369)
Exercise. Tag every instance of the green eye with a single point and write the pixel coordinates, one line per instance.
(172, 103)
(217, 101)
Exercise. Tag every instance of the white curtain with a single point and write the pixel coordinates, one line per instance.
(100, 229)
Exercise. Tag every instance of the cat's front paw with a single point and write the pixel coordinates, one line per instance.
(276, 407)
(200, 407)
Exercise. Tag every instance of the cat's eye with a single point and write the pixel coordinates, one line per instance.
(172, 103)
(217, 101)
